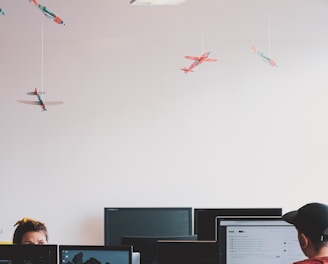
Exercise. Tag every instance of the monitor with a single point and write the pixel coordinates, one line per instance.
(204, 218)
(146, 221)
(79, 254)
(257, 241)
(31, 254)
(188, 252)
(148, 245)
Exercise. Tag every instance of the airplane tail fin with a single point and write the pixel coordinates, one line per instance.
(35, 92)
(186, 70)
(253, 49)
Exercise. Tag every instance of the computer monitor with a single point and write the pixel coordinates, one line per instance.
(204, 218)
(146, 221)
(31, 254)
(257, 241)
(148, 245)
(85, 254)
(188, 252)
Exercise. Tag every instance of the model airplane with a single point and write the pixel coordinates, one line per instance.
(47, 13)
(267, 59)
(197, 60)
(40, 100)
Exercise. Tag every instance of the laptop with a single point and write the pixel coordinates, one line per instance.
(257, 241)
(87, 254)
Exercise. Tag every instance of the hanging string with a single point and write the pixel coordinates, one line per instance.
(202, 29)
(269, 37)
(202, 36)
(42, 59)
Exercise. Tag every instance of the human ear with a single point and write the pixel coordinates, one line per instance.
(303, 240)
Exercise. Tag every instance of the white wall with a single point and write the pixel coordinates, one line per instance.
(134, 130)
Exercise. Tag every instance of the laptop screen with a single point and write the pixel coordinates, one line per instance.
(257, 241)
(95, 254)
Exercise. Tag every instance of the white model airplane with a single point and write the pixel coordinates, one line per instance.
(40, 100)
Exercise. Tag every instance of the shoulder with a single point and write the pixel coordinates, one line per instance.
(316, 260)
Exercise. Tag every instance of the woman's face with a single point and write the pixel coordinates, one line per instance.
(34, 237)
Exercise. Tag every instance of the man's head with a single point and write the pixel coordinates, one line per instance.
(311, 220)
(29, 231)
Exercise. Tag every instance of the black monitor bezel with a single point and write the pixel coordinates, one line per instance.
(107, 241)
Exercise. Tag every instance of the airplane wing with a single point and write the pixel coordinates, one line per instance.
(33, 93)
(53, 102)
(210, 60)
(34, 2)
(192, 57)
(29, 102)
(38, 102)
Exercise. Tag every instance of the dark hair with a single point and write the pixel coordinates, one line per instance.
(28, 225)
(317, 245)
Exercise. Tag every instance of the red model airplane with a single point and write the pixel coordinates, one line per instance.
(197, 60)
(39, 101)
